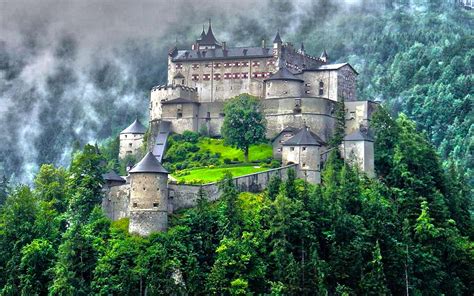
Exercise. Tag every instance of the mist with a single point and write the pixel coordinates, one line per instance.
(76, 72)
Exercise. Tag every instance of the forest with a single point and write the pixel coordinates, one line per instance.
(409, 231)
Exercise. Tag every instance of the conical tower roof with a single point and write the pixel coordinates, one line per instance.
(112, 176)
(135, 128)
(277, 38)
(304, 137)
(209, 39)
(284, 74)
(149, 164)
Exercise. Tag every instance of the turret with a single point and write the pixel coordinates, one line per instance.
(148, 197)
(304, 149)
(324, 56)
(283, 84)
(359, 150)
(131, 139)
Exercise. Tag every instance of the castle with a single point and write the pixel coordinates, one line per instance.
(298, 92)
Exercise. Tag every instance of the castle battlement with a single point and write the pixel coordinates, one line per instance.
(173, 87)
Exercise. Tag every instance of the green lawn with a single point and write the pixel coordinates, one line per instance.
(256, 153)
(208, 175)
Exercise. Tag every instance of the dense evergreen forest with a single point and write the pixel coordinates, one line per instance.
(408, 231)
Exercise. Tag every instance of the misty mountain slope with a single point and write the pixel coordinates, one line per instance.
(83, 74)
(418, 60)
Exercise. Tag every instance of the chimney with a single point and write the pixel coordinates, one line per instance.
(263, 43)
(224, 45)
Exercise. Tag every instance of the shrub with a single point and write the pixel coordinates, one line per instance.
(227, 161)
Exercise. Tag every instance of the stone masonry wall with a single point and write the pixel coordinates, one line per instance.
(186, 196)
(116, 202)
(130, 144)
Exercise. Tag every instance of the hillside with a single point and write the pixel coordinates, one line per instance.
(408, 230)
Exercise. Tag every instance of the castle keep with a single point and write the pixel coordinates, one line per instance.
(299, 94)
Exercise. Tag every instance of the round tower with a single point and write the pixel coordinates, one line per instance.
(283, 84)
(131, 139)
(148, 197)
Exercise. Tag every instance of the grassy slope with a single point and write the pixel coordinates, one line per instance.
(207, 175)
(257, 152)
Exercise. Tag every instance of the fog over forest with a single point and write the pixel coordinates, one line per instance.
(80, 71)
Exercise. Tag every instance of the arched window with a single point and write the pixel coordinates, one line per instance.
(321, 88)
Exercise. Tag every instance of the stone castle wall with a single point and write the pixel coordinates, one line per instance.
(168, 92)
(219, 80)
(180, 196)
(116, 202)
(130, 144)
(316, 112)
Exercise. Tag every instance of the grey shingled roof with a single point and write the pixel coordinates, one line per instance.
(209, 39)
(149, 164)
(179, 101)
(135, 128)
(286, 129)
(221, 54)
(283, 74)
(360, 135)
(331, 67)
(277, 38)
(304, 137)
(178, 75)
(113, 176)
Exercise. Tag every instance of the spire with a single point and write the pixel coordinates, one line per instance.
(209, 38)
(324, 56)
(203, 33)
(302, 47)
(277, 38)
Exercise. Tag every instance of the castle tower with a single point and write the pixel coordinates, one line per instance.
(359, 150)
(304, 149)
(283, 84)
(277, 44)
(148, 197)
(131, 139)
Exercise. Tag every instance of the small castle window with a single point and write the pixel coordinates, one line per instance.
(125, 136)
(195, 77)
(135, 205)
(304, 148)
(217, 65)
(155, 204)
(321, 88)
(255, 63)
(307, 84)
(279, 149)
(217, 76)
(130, 145)
(244, 64)
(129, 152)
(244, 75)
(304, 164)
(179, 115)
(352, 115)
(221, 114)
(292, 148)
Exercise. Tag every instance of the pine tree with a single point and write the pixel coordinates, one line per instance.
(373, 281)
